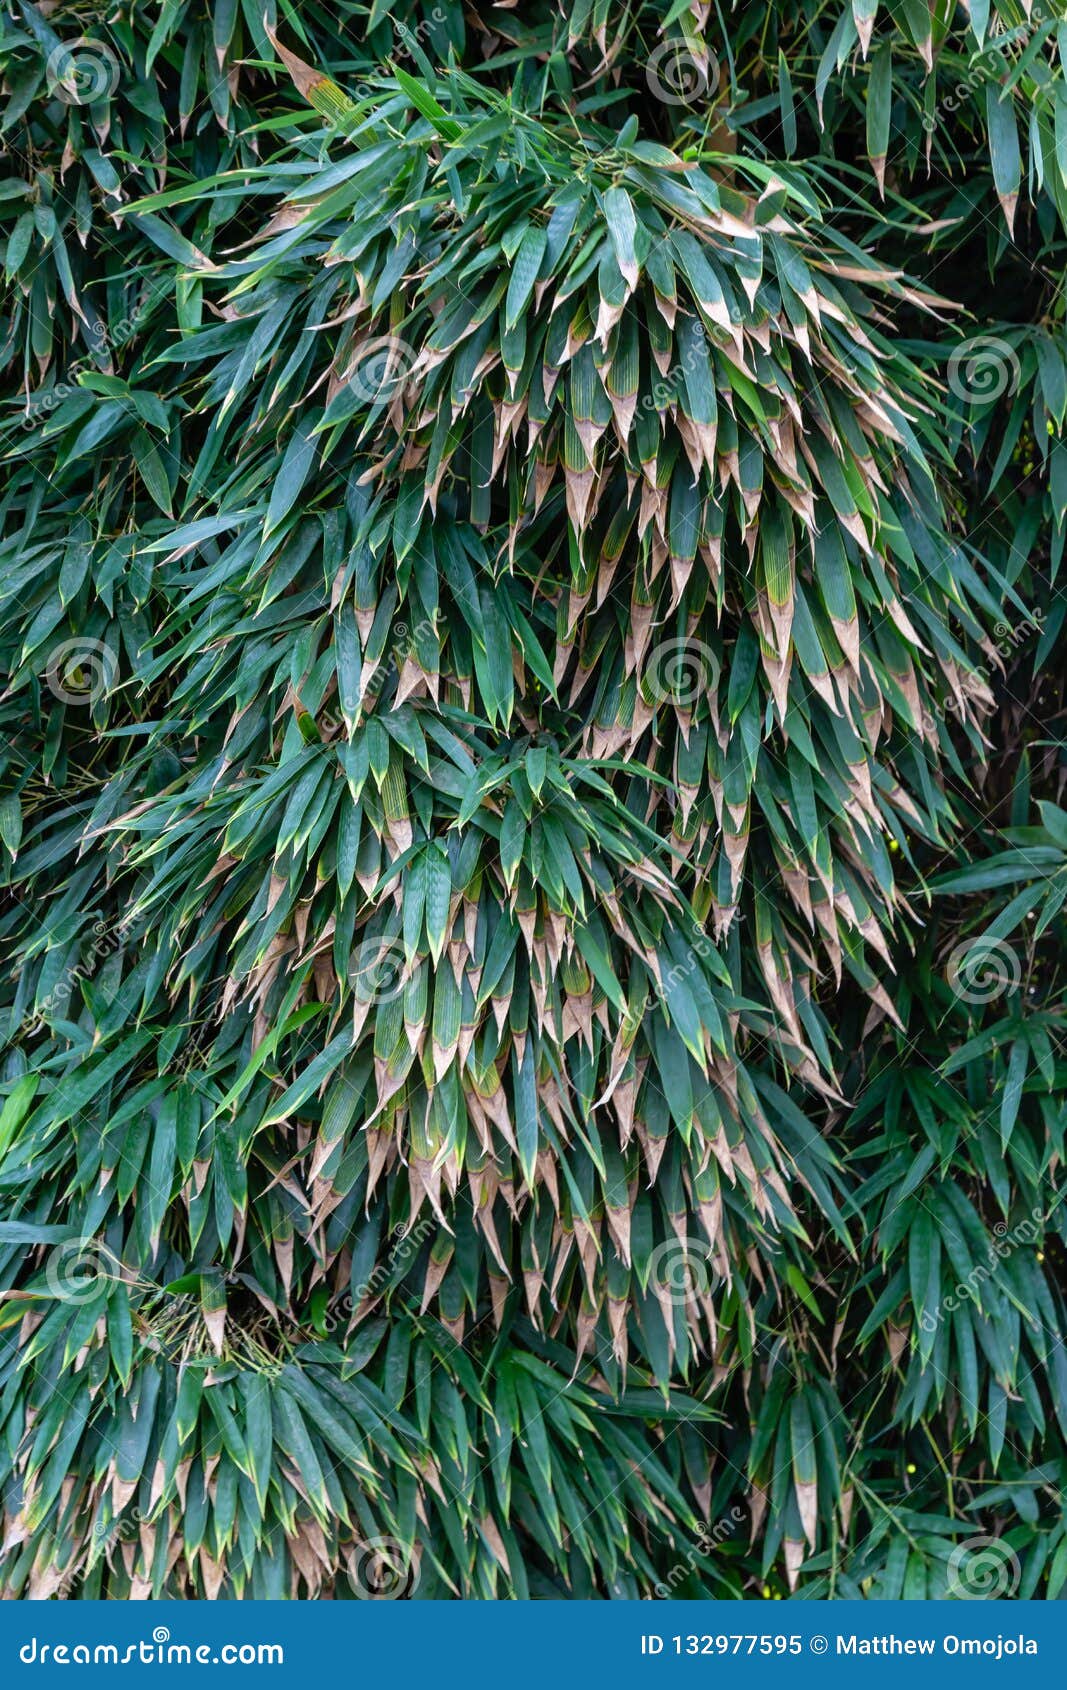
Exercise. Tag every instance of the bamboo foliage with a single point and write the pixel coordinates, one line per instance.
(502, 635)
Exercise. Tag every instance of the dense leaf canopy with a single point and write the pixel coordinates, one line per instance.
(531, 867)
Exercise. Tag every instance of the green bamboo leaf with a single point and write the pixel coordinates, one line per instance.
(1003, 151)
